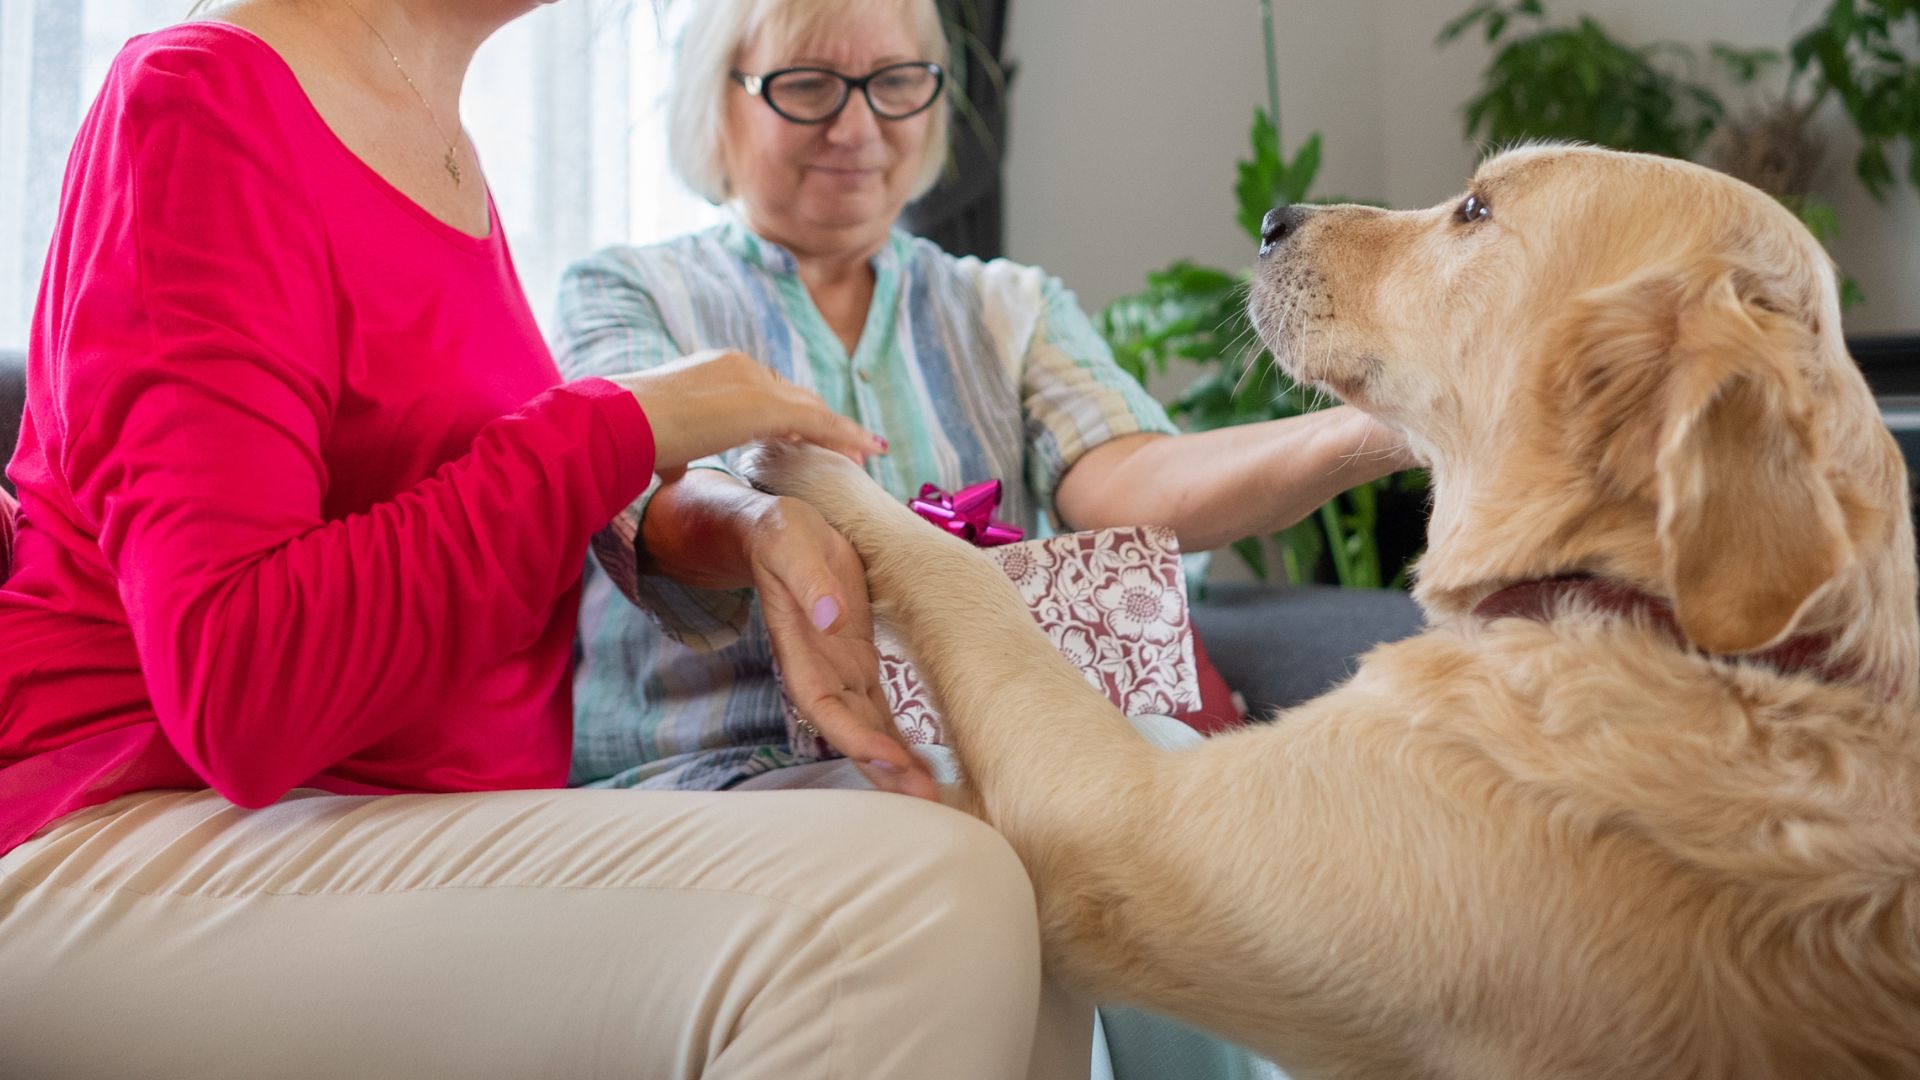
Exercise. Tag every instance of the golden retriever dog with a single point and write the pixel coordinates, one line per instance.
(1644, 802)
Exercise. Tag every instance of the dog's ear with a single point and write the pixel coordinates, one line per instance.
(1683, 387)
(1749, 525)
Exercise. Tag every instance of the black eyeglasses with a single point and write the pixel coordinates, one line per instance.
(811, 95)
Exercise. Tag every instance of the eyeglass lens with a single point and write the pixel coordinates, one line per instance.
(894, 92)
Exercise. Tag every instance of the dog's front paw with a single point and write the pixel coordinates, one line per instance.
(784, 467)
(831, 484)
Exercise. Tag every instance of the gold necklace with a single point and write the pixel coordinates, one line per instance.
(452, 160)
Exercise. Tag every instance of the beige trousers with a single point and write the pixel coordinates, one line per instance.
(775, 936)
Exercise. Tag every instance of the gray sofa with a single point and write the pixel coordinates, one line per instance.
(13, 402)
(1279, 646)
(1276, 646)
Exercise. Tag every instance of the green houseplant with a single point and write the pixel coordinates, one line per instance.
(1193, 314)
(1578, 83)
(1548, 81)
(1859, 54)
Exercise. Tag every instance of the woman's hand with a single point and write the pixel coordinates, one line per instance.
(1370, 448)
(813, 595)
(715, 400)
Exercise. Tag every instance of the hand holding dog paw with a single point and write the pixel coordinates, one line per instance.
(813, 595)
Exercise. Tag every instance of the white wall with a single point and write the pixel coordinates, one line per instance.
(1127, 118)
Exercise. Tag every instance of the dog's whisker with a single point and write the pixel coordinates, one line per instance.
(1362, 455)
(1240, 382)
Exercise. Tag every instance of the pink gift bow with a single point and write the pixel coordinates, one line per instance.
(967, 513)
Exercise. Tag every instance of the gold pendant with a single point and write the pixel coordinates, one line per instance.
(453, 168)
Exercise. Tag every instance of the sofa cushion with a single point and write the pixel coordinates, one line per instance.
(1282, 645)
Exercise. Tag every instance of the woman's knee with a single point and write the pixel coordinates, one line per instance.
(977, 864)
(955, 878)
(958, 935)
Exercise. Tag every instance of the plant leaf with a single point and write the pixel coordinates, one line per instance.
(1460, 25)
(1259, 177)
(1850, 293)
(1253, 554)
(1298, 178)
(1873, 168)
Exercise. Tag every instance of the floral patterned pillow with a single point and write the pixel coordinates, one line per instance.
(1113, 601)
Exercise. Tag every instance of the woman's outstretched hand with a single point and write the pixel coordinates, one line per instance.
(813, 595)
(715, 400)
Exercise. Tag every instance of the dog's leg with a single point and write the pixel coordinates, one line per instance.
(1199, 882)
(1047, 759)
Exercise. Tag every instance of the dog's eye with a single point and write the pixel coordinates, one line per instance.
(1472, 209)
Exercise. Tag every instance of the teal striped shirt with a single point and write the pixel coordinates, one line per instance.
(970, 370)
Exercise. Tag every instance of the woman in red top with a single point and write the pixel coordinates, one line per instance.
(303, 513)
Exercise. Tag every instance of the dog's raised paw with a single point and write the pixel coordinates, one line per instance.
(784, 467)
(828, 482)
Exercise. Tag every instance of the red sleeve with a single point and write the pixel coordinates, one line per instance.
(202, 371)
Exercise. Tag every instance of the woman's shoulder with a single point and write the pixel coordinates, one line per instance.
(199, 104)
(208, 84)
(211, 64)
(686, 253)
(682, 272)
(998, 282)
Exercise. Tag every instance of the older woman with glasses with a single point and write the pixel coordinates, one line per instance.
(817, 121)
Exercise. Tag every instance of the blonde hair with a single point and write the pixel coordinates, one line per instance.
(707, 45)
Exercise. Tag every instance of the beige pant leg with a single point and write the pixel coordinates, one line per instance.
(1063, 1036)
(558, 934)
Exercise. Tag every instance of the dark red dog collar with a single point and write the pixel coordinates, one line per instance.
(1542, 599)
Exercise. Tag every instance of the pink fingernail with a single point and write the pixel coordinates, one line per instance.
(825, 610)
(884, 766)
(881, 443)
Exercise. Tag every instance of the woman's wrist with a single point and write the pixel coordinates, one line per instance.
(701, 530)
(1361, 448)
(761, 523)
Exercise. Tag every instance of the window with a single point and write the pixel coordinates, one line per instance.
(563, 106)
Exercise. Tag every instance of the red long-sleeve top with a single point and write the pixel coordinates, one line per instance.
(302, 503)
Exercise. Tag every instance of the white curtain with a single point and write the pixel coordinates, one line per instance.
(563, 107)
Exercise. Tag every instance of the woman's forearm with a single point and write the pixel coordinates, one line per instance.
(1215, 487)
(698, 528)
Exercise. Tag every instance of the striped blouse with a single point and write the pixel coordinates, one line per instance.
(970, 370)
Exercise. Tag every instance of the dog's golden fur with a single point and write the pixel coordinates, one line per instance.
(1516, 849)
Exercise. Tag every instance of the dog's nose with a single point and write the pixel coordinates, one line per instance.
(1280, 223)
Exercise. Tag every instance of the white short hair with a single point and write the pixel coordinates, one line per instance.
(707, 43)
